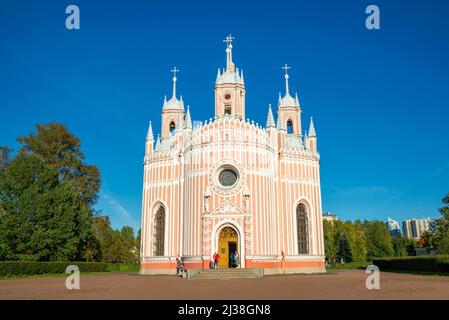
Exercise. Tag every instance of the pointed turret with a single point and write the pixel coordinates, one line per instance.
(188, 119)
(158, 143)
(280, 123)
(270, 118)
(150, 140)
(296, 99)
(150, 136)
(230, 87)
(312, 132)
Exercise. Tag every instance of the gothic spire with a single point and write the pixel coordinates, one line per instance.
(188, 119)
(270, 118)
(229, 63)
(174, 70)
(158, 143)
(150, 136)
(287, 91)
(312, 132)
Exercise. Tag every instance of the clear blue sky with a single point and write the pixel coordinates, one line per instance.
(380, 99)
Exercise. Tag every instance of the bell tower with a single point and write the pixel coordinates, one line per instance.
(230, 87)
(289, 109)
(172, 111)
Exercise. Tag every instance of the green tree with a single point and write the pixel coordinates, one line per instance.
(130, 253)
(59, 148)
(403, 246)
(330, 245)
(138, 238)
(378, 239)
(358, 242)
(344, 249)
(115, 246)
(42, 217)
(5, 157)
(437, 237)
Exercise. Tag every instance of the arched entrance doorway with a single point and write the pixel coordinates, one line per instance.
(228, 242)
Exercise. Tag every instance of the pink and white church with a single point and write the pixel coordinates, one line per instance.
(229, 184)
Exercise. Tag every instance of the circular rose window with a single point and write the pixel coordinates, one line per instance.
(228, 176)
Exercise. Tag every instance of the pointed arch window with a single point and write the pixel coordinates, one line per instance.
(302, 229)
(227, 110)
(172, 127)
(289, 126)
(159, 232)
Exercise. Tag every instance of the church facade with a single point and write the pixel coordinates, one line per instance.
(231, 185)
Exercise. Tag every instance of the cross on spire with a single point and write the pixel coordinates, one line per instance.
(286, 68)
(174, 70)
(228, 41)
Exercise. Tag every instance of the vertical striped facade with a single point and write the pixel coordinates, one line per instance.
(274, 170)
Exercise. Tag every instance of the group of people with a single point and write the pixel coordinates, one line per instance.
(234, 260)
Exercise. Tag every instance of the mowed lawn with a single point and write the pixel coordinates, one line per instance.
(335, 284)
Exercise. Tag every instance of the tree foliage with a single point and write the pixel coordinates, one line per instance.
(42, 217)
(5, 157)
(59, 148)
(115, 245)
(356, 241)
(437, 237)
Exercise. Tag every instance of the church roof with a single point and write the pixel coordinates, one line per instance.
(228, 76)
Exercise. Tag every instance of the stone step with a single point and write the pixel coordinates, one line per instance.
(225, 274)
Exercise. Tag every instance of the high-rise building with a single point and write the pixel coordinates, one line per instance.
(393, 227)
(414, 228)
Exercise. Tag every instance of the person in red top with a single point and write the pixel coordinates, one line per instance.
(216, 259)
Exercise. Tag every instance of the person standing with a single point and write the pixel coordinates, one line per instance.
(216, 259)
(237, 259)
(232, 259)
(211, 263)
(178, 265)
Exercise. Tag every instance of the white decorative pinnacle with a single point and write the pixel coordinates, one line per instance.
(188, 119)
(270, 118)
(228, 42)
(150, 136)
(174, 70)
(280, 124)
(312, 132)
(286, 68)
(158, 143)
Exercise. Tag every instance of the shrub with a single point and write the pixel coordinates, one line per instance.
(19, 268)
(438, 264)
(123, 267)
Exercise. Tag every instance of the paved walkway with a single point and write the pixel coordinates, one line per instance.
(341, 284)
